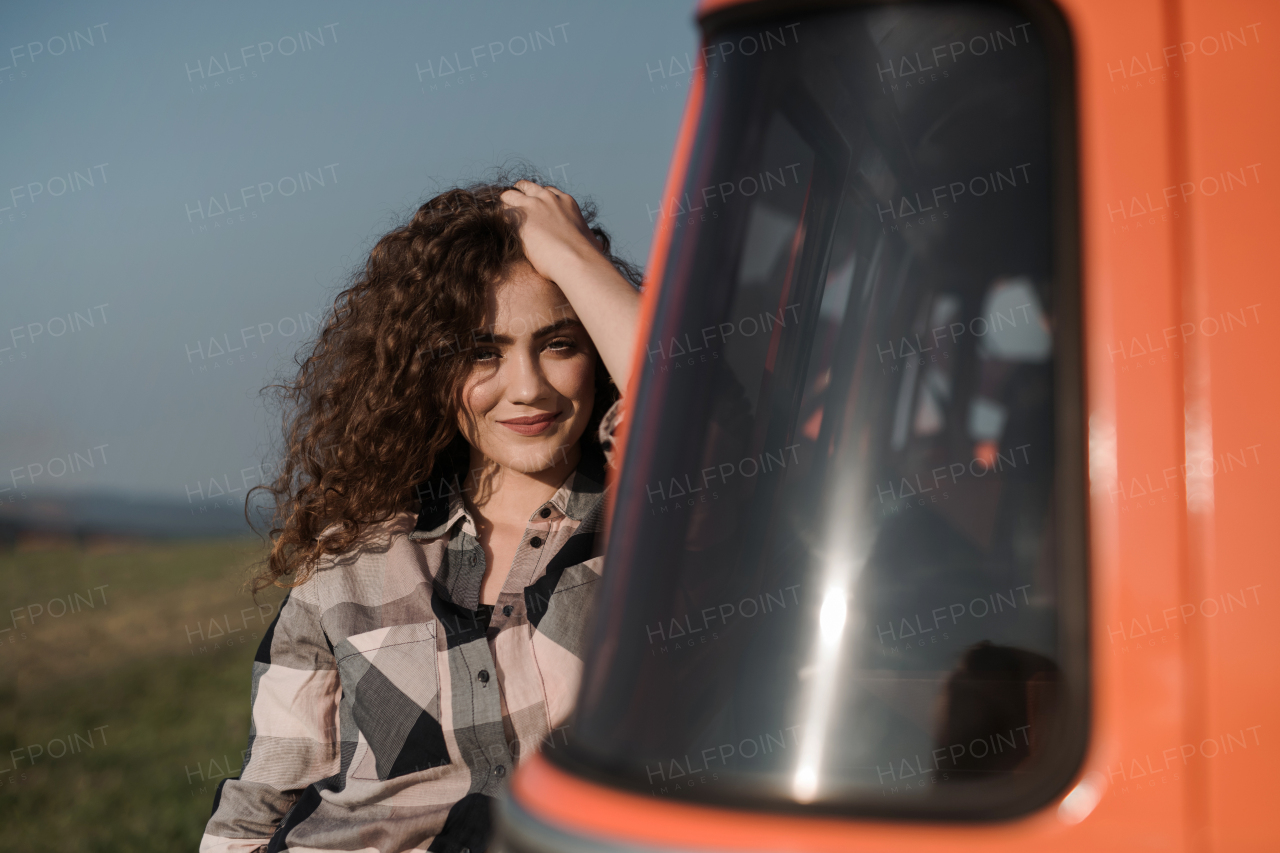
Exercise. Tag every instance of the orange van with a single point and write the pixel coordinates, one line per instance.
(942, 519)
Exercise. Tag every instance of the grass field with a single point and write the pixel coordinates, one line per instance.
(124, 691)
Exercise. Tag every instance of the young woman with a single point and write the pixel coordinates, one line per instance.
(437, 513)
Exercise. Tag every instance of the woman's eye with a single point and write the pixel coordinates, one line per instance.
(562, 344)
(485, 355)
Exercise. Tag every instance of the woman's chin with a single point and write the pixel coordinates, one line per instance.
(537, 453)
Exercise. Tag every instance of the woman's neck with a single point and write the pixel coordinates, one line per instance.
(499, 494)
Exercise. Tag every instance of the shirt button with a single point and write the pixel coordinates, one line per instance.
(500, 771)
(483, 675)
(506, 611)
(536, 542)
(472, 558)
(546, 511)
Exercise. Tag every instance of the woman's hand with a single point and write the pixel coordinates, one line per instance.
(562, 249)
(552, 228)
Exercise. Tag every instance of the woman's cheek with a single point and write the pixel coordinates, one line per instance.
(479, 395)
(574, 378)
(484, 391)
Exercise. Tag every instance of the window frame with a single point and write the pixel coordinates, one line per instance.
(1070, 466)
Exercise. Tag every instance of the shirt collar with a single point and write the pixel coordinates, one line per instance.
(582, 491)
(443, 507)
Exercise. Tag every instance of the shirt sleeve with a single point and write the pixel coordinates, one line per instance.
(608, 426)
(293, 729)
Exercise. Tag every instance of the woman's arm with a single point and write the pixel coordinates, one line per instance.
(293, 730)
(560, 247)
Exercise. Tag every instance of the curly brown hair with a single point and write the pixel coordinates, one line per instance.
(374, 405)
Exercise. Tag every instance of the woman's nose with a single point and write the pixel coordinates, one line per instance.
(525, 383)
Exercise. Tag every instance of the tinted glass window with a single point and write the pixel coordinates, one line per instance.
(843, 571)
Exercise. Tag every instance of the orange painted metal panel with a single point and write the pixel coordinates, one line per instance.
(1229, 255)
(1135, 423)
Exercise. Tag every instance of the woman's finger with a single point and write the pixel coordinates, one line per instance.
(528, 187)
(513, 198)
(569, 201)
(563, 196)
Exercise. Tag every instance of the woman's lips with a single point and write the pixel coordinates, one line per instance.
(531, 424)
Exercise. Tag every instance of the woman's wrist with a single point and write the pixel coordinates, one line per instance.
(575, 260)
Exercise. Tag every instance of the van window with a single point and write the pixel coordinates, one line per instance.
(846, 566)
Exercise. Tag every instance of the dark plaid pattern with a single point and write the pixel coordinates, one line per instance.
(389, 706)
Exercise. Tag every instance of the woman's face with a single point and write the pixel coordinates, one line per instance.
(529, 395)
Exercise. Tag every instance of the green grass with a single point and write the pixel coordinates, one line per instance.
(136, 664)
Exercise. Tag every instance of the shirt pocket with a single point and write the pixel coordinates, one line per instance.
(391, 684)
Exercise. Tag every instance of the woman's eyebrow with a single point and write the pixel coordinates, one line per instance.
(490, 338)
(557, 325)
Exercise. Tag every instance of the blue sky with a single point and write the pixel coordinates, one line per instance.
(184, 187)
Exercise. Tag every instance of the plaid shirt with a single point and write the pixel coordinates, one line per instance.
(389, 705)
